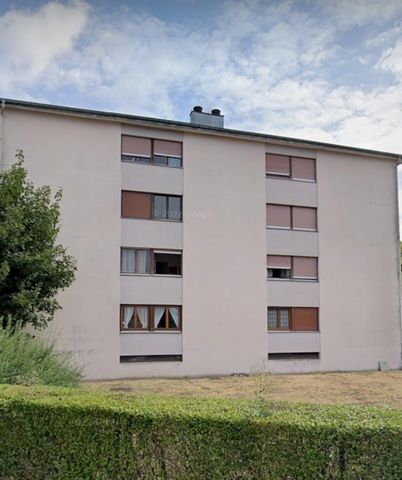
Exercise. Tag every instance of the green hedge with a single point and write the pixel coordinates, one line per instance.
(55, 433)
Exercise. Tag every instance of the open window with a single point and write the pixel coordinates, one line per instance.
(149, 261)
(279, 267)
(167, 262)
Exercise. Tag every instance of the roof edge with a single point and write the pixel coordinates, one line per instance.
(174, 124)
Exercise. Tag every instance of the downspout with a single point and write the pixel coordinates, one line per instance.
(2, 109)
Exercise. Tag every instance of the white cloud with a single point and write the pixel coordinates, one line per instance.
(31, 40)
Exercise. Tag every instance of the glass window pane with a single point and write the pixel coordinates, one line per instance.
(160, 160)
(174, 317)
(142, 261)
(167, 264)
(271, 319)
(174, 212)
(160, 206)
(141, 317)
(127, 158)
(143, 159)
(174, 162)
(284, 319)
(127, 260)
(159, 317)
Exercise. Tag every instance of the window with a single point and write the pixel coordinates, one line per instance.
(136, 204)
(279, 216)
(149, 205)
(291, 217)
(297, 319)
(296, 168)
(304, 218)
(167, 263)
(305, 268)
(279, 318)
(290, 267)
(279, 266)
(148, 261)
(135, 260)
(150, 151)
(150, 317)
(167, 207)
(277, 165)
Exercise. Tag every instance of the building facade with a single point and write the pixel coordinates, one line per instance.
(208, 251)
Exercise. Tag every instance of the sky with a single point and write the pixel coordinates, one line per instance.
(325, 70)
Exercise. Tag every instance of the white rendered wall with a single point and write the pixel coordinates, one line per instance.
(82, 156)
(358, 262)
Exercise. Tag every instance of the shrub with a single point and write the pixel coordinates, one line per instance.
(27, 360)
(53, 433)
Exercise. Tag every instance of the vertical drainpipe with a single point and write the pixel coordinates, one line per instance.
(2, 108)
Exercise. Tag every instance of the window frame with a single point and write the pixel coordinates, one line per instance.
(291, 313)
(273, 227)
(152, 216)
(151, 327)
(152, 262)
(152, 157)
(278, 328)
(290, 176)
(291, 269)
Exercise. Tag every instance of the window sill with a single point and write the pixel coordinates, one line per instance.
(152, 219)
(293, 331)
(150, 164)
(297, 280)
(285, 177)
(149, 275)
(151, 332)
(292, 229)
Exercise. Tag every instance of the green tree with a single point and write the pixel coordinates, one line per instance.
(33, 268)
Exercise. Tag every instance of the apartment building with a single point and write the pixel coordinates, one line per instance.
(208, 251)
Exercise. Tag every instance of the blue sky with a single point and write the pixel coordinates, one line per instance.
(328, 70)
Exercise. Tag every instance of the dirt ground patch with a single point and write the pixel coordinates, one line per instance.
(368, 388)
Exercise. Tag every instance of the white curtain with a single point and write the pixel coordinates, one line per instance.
(142, 261)
(128, 315)
(158, 314)
(143, 316)
(128, 260)
(174, 312)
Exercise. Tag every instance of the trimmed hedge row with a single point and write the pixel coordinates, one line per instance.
(54, 433)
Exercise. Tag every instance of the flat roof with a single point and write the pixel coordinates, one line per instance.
(187, 126)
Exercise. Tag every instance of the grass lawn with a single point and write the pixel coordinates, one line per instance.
(368, 388)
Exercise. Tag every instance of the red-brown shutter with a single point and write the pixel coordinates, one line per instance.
(135, 204)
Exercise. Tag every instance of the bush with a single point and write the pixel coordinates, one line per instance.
(27, 360)
(54, 433)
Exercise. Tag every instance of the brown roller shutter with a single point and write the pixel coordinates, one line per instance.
(305, 319)
(135, 204)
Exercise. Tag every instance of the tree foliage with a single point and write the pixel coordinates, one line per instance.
(33, 267)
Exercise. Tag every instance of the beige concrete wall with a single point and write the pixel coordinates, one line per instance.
(293, 342)
(291, 192)
(82, 156)
(151, 233)
(149, 343)
(358, 262)
(151, 178)
(293, 293)
(291, 242)
(224, 299)
(151, 289)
